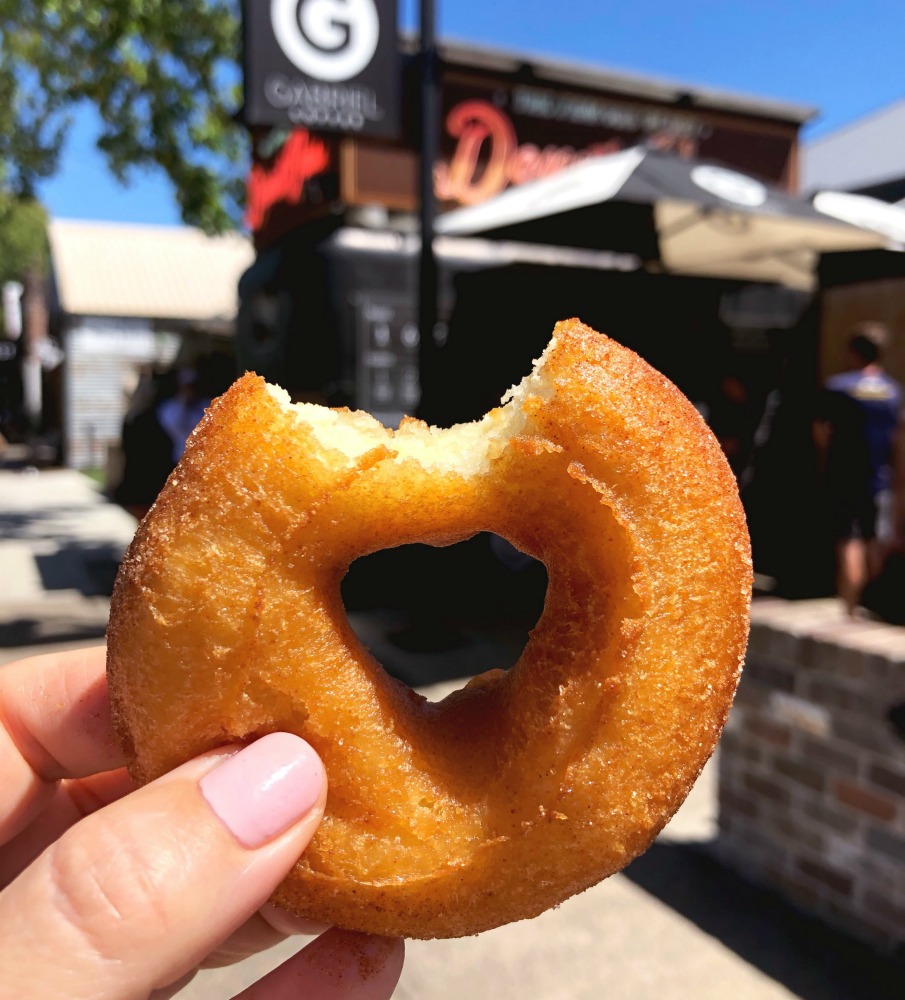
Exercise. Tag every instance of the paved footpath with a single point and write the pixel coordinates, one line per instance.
(60, 543)
(673, 926)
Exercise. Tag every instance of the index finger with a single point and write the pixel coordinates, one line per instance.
(55, 723)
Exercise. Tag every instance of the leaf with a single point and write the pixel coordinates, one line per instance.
(162, 77)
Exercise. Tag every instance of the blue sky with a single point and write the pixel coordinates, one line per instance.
(841, 56)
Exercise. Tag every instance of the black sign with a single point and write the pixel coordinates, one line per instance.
(325, 65)
(387, 383)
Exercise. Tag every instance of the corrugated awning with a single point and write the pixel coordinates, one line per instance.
(155, 272)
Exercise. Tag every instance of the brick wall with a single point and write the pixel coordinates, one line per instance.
(812, 771)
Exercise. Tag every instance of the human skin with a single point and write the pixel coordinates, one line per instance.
(111, 893)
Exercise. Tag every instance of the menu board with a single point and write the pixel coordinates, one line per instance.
(386, 333)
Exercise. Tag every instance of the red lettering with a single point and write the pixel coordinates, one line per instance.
(478, 167)
(487, 157)
(301, 158)
(528, 163)
(524, 164)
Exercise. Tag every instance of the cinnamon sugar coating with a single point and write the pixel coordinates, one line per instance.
(525, 787)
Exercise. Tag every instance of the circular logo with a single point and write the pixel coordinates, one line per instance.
(330, 40)
(730, 186)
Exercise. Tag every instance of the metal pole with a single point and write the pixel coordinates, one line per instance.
(430, 140)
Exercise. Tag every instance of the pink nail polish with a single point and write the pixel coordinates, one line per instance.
(265, 788)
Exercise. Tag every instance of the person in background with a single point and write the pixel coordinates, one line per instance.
(857, 424)
(733, 419)
(165, 409)
(181, 413)
(147, 449)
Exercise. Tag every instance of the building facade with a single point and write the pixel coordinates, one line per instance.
(329, 308)
(128, 300)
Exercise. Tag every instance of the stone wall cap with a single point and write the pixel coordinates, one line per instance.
(824, 620)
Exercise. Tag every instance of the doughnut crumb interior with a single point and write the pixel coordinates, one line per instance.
(526, 786)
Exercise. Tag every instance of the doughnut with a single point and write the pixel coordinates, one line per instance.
(527, 785)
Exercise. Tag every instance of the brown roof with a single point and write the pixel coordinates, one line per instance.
(575, 73)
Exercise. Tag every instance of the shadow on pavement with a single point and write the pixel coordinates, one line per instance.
(813, 961)
(24, 630)
(32, 523)
(88, 568)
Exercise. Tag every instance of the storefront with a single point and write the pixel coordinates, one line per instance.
(329, 308)
(128, 301)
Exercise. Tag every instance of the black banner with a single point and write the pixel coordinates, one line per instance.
(324, 65)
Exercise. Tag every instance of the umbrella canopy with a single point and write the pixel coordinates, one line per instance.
(868, 213)
(679, 215)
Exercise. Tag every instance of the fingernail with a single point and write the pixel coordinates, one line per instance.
(265, 788)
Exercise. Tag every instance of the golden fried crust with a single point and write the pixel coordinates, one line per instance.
(524, 787)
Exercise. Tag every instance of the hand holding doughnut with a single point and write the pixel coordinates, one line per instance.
(526, 786)
(110, 892)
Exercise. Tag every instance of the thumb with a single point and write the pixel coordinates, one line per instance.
(135, 895)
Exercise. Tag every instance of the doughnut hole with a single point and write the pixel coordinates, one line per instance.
(430, 615)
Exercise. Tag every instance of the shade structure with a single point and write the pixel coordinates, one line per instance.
(679, 215)
(869, 213)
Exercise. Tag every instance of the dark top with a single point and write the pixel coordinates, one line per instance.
(864, 410)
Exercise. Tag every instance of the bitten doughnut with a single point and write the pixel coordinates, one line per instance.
(445, 819)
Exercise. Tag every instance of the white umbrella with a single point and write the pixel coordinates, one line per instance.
(682, 216)
(878, 216)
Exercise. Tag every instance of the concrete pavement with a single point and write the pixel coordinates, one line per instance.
(674, 925)
(60, 544)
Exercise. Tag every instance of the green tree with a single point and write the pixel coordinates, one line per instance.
(162, 75)
(23, 237)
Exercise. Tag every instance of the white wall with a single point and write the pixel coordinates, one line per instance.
(103, 358)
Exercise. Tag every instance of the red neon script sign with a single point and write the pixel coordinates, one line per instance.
(488, 158)
(301, 158)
